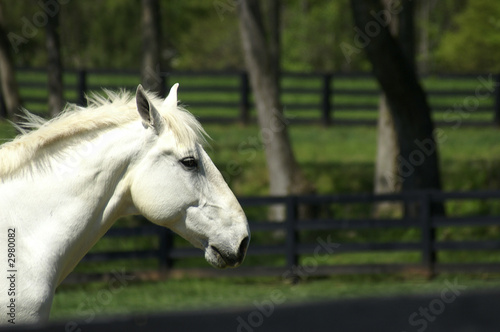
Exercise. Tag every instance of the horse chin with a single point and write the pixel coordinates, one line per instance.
(214, 258)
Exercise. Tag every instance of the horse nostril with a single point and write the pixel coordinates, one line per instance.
(228, 256)
(243, 247)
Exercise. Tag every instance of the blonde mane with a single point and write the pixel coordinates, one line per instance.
(114, 109)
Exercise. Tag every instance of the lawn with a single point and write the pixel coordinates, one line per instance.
(128, 296)
(341, 159)
(337, 160)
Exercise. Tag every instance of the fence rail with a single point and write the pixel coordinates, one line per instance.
(324, 98)
(301, 255)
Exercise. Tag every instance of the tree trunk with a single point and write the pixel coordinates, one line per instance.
(54, 65)
(262, 62)
(406, 30)
(151, 33)
(386, 166)
(10, 90)
(418, 162)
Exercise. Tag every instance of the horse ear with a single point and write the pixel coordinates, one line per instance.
(149, 114)
(171, 100)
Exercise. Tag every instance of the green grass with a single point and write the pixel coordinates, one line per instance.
(134, 297)
(336, 160)
(7, 132)
(341, 159)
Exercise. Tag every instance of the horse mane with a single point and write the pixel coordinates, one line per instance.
(113, 109)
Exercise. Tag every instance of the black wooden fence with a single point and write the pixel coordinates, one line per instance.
(305, 257)
(325, 98)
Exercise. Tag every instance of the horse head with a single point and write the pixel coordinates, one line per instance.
(176, 185)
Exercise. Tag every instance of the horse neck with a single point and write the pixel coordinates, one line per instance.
(86, 190)
(99, 169)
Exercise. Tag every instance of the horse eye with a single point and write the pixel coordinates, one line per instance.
(190, 163)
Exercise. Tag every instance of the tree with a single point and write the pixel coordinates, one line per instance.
(386, 179)
(54, 64)
(423, 12)
(418, 161)
(151, 31)
(262, 58)
(312, 33)
(474, 43)
(10, 90)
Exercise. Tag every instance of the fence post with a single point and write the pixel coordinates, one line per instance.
(244, 98)
(496, 116)
(82, 87)
(291, 232)
(428, 234)
(326, 105)
(165, 248)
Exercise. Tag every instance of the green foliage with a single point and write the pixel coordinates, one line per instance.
(211, 40)
(115, 41)
(473, 44)
(312, 33)
(199, 34)
(106, 34)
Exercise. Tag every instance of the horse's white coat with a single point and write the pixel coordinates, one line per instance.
(63, 185)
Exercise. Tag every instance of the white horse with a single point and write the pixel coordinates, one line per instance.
(63, 185)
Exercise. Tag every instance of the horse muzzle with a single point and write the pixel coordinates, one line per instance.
(222, 256)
